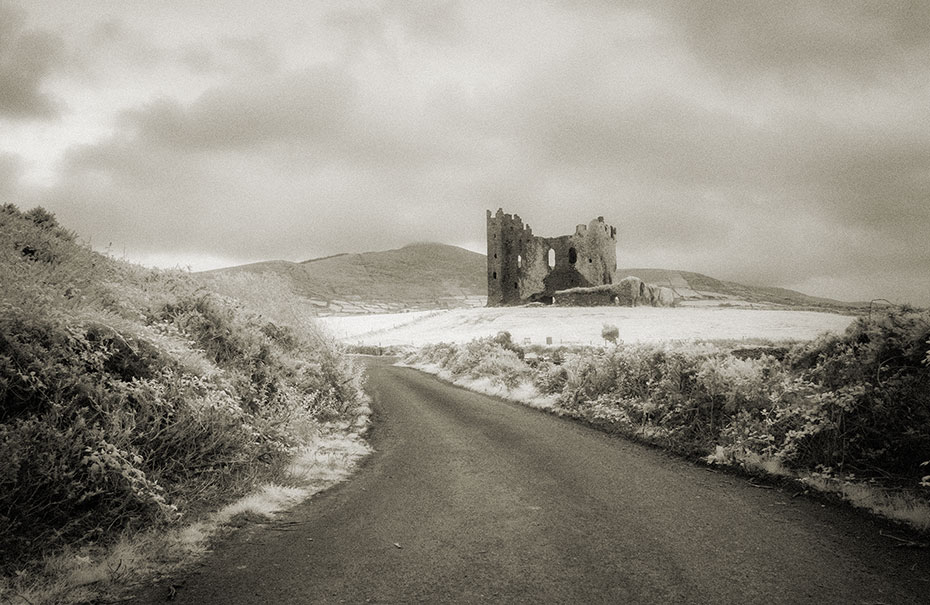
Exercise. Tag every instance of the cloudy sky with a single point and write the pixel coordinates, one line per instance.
(783, 143)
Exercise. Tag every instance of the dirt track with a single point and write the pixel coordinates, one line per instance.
(469, 499)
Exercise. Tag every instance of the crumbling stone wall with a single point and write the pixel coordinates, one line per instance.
(524, 268)
(631, 292)
(628, 292)
(598, 296)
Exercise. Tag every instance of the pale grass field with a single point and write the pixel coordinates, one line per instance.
(577, 325)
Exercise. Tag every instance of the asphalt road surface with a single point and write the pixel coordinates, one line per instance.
(469, 499)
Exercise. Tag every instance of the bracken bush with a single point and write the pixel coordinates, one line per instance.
(852, 403)
(131, 397)
(496, 358)
(874, 395)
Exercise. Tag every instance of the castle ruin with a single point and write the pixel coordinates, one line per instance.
(526, 268)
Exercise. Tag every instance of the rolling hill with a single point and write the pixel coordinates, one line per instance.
(417, 276)
(437, 276)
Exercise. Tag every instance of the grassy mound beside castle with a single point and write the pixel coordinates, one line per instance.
(133, 398)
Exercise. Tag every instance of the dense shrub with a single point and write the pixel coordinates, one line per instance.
(550, 378)
(875, 408)
(126, 395)
(610, 333)
(502, 366)
(854, 402)
(495, 358)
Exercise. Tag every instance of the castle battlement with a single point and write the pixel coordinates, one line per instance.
(526, 268)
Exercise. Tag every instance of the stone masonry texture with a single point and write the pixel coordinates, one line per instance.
(525, 268)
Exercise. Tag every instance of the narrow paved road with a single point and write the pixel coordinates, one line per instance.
(469, 499)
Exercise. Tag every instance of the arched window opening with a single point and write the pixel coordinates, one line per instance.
(494, 275)
(551, 258)
(519, 261)
(495, 255)
(590, 261)
(572, 255)
(516, 286)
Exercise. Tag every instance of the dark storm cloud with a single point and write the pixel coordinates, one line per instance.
(656, 138)
(299, 156)
(860, 38)
(317, 116)
(27, 58)
(865, 177)
(311, 106)
(114, 46)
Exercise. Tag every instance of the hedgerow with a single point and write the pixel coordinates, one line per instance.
(852, 403)
(130, 397)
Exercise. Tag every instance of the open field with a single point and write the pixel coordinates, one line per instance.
(573, 325)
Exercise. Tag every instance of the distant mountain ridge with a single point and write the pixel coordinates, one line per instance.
(437, 276)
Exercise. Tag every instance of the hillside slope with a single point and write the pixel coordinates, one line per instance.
(696, 288)
(438, 276)
(134, 398)
(418, 276)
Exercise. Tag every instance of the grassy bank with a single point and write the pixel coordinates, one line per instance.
(135, 399)
(845, 412)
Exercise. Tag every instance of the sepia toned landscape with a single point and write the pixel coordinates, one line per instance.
(448, 302)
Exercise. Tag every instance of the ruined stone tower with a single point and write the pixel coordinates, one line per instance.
(525, 268)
